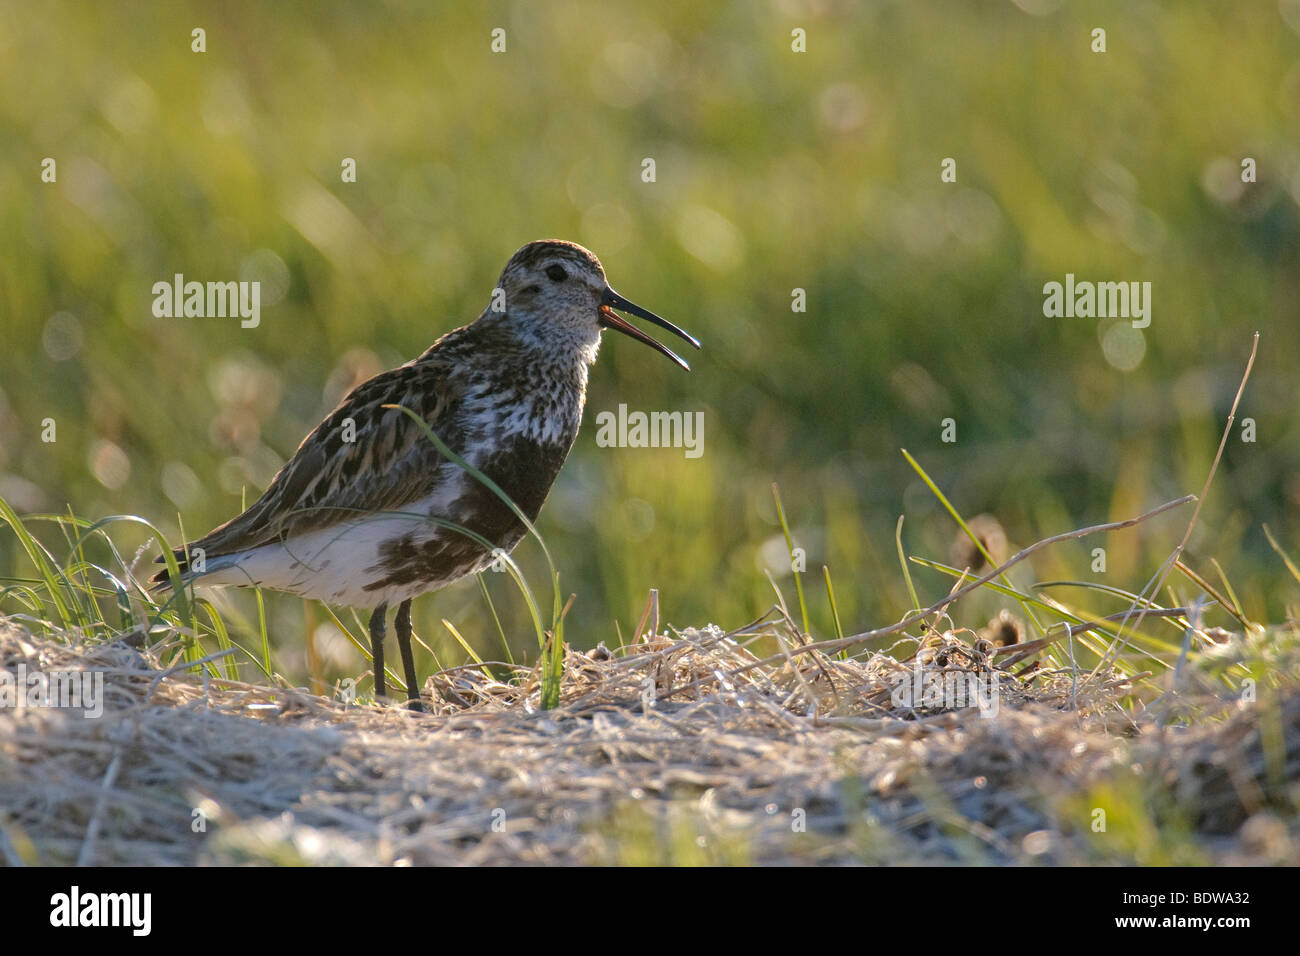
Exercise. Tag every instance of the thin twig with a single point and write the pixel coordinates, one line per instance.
(101, 801)
(1024, 649)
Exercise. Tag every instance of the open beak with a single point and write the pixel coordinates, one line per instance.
(610, 319)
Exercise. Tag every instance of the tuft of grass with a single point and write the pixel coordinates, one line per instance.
(830, 597)
(467, 648)
(956, 516)
(496, 618)
(902, 563)
(789, 547)
(261, 630)
(100, 600)
(93, 592)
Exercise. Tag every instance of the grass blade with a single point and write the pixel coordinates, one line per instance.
(943, 500)
(789, 547)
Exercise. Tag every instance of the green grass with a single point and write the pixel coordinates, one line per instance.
(102, 597)
(107, 598)
(90, 590)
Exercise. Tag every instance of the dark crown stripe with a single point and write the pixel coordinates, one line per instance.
(537, 252)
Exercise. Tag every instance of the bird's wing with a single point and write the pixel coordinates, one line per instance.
(388, 464)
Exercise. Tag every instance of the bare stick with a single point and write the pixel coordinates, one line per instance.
(1024, 649)
(1121, 641)
(914, 616)
(84, 855)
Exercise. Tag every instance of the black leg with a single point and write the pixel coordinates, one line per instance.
(377, 648)
(402, 623)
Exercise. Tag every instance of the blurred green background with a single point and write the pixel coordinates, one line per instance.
(775, 170)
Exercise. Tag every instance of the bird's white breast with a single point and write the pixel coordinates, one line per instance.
(335, 564)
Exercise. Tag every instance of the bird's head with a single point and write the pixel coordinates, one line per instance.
(551, 287)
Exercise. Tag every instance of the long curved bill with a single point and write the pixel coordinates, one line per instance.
(612, 320)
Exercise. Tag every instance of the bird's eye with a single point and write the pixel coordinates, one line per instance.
(556, 273)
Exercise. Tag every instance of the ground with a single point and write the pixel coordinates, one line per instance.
(675, 749)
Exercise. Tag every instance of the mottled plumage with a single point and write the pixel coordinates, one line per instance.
(359, 514)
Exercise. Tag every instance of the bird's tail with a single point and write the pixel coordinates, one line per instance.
(161, 582)
(194, 566)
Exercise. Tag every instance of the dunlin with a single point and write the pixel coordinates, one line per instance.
(360, 514)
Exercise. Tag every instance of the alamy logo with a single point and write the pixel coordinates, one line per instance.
(210, 300)
(651, 430)
(72, 690)
(1098, 300)
(75, 908)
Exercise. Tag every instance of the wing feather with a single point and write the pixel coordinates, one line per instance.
(389, 464)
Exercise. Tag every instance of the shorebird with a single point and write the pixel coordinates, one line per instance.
(362, 514)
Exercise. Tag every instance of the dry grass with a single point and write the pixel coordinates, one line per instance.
(722, 762)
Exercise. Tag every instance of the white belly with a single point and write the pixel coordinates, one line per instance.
(335, 564)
